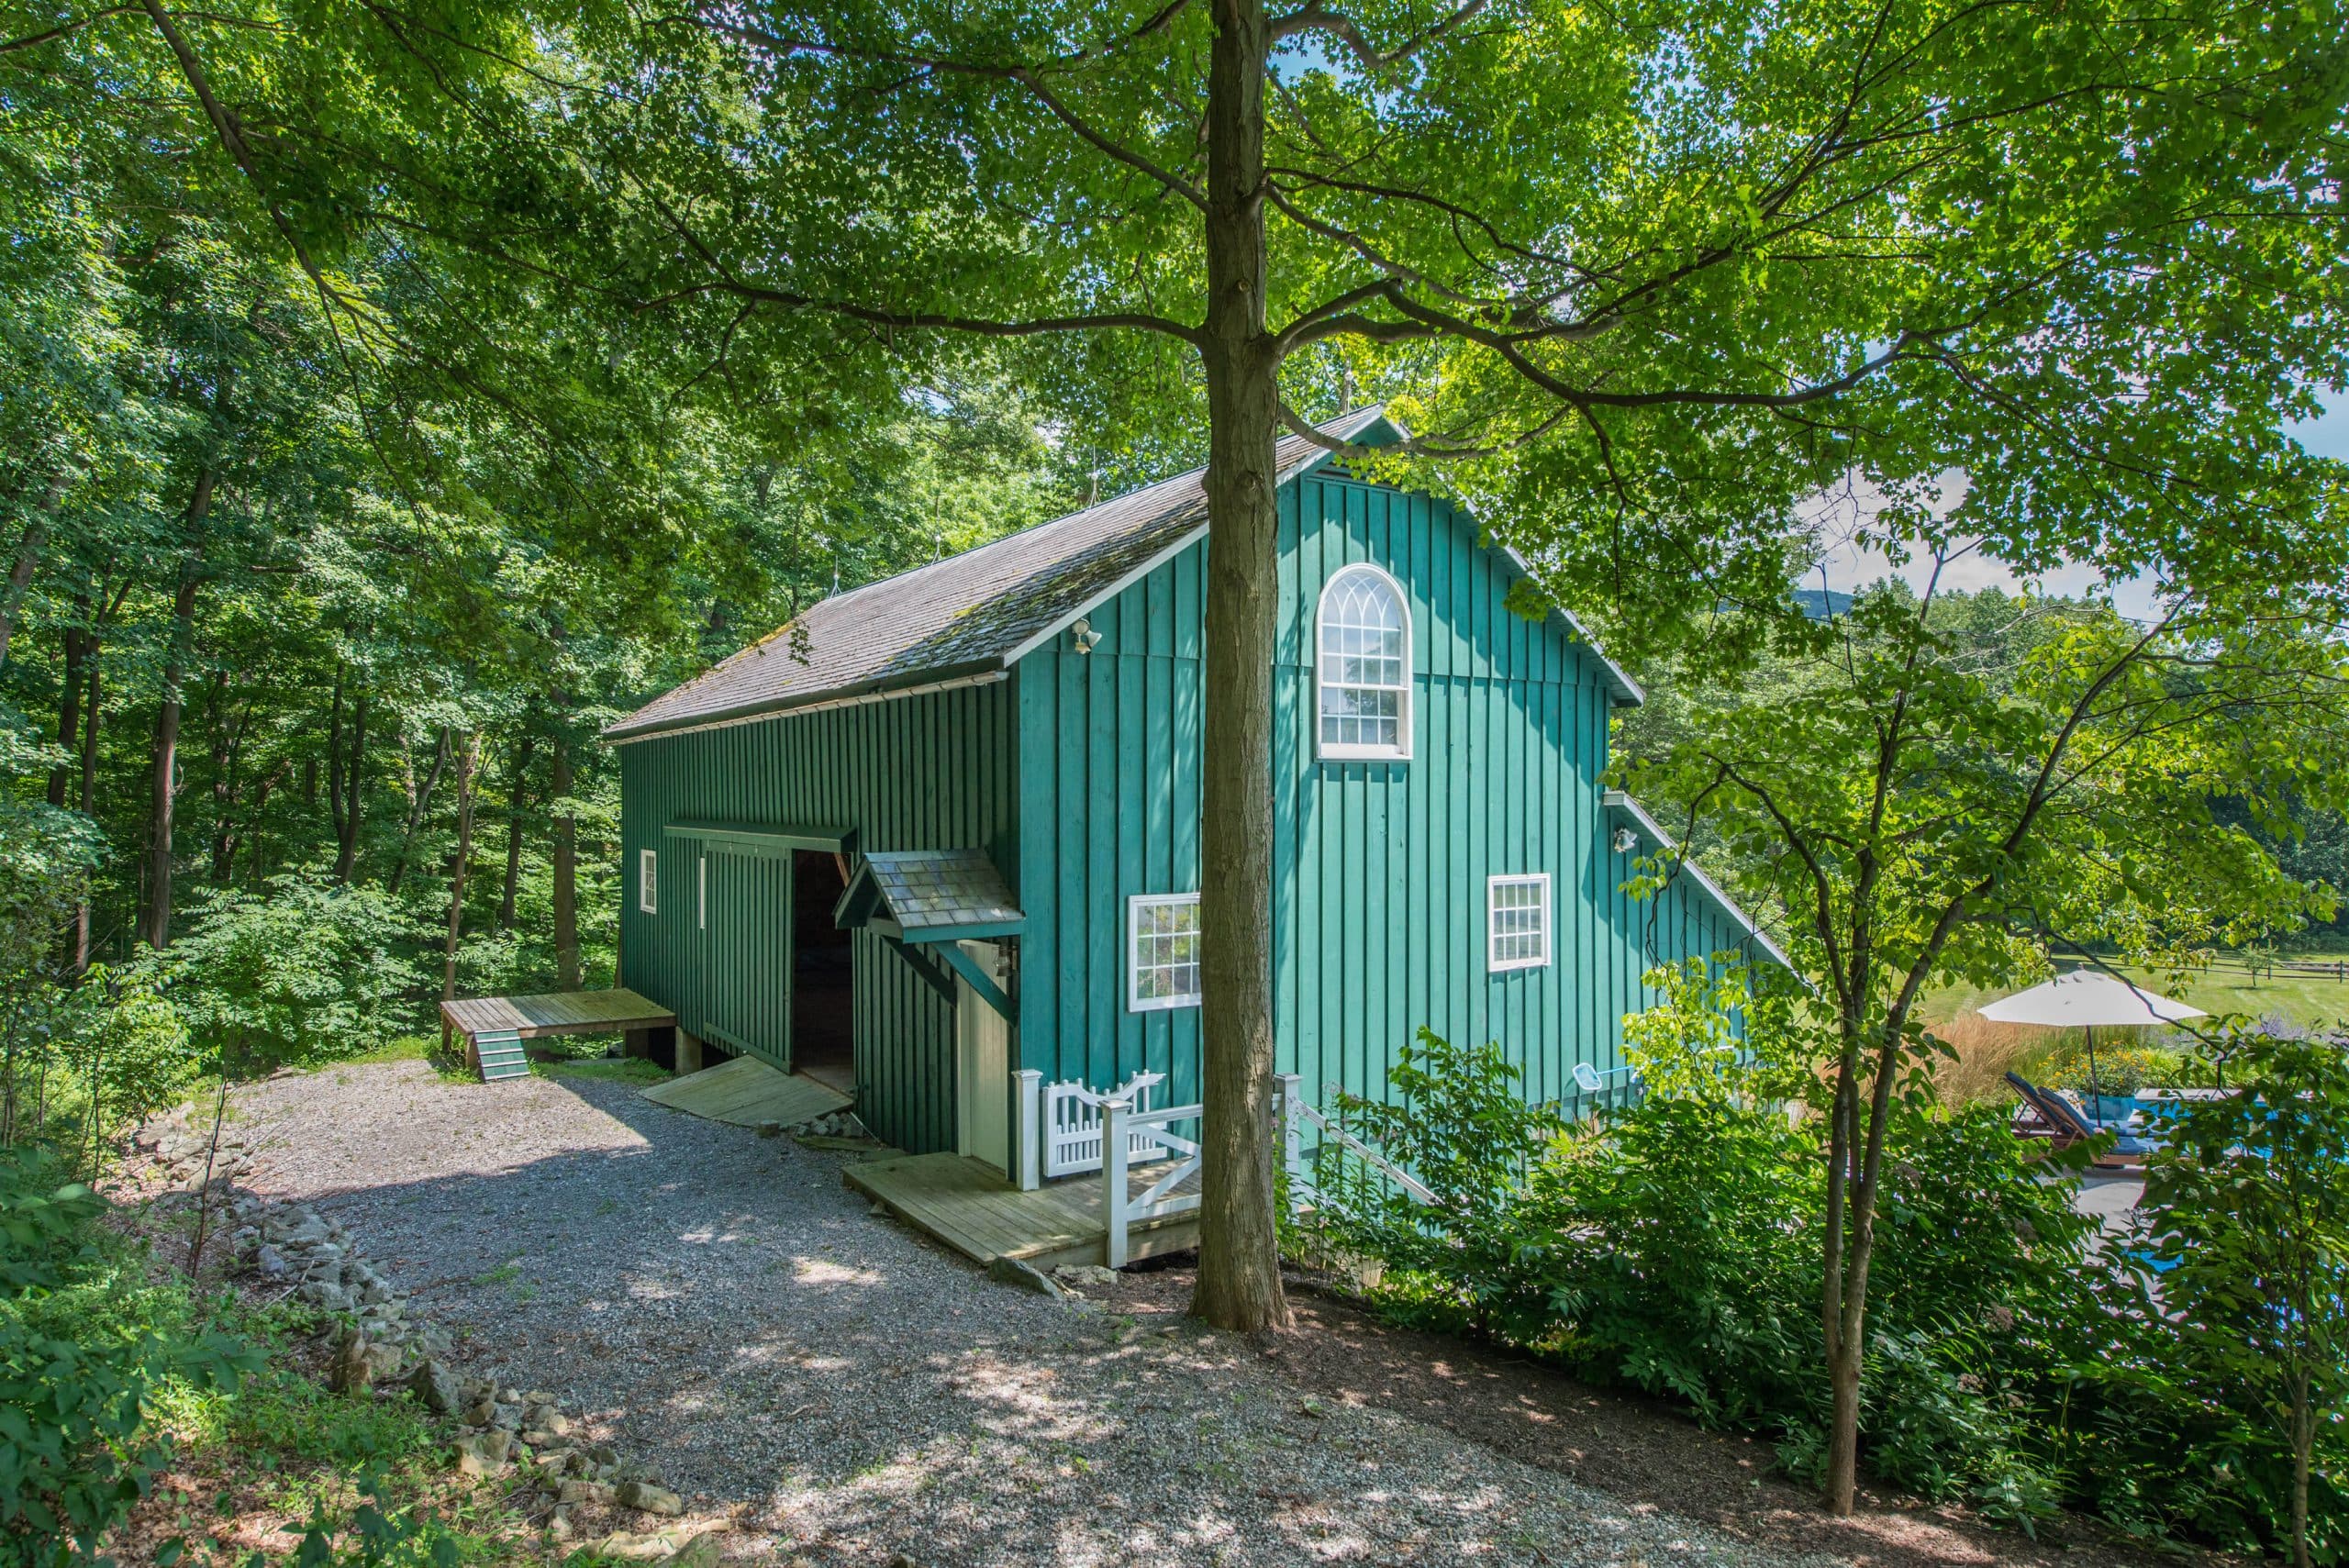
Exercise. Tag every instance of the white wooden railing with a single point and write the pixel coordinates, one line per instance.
(1292, 1113)
(1071, 1124)
(1126, 1130)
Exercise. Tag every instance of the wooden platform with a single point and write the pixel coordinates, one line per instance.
(964, 1203)
(495, 1027)
(560, 1012)
(746, 1092)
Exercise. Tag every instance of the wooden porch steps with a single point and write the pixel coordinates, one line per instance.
(498, 1053)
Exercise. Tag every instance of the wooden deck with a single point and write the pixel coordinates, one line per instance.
(966, 1204)
(746, 1092)
(562, 1012)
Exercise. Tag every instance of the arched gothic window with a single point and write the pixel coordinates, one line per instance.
(1364, 676)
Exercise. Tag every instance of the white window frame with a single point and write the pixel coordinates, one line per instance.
(1354, 751)
(701, 891)
(1135, 1001)
(648, 881)
(1494, 962)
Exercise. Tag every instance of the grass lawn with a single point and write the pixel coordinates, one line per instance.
(2226, 988)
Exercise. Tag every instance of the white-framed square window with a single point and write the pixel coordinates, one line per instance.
(1517, 921)
(1161, 950)
(648, 881)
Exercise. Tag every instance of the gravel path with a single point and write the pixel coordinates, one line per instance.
(721, 1307)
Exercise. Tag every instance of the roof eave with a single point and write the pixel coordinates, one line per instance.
(905, 683)
(1620, 800)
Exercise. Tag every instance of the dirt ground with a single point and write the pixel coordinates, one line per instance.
(1639, 1452)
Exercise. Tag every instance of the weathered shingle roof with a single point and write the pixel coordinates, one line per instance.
(977, 613)
(962, 616)
(934, 892)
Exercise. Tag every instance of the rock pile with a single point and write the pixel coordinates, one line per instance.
(383, 1351)
(178, 1148)
(831, 1124)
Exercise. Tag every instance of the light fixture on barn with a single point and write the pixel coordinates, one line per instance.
(1626, 841)
(1086, 638)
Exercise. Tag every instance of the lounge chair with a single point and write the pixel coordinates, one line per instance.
(2067, 1126)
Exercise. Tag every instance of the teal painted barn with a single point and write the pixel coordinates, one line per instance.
(941, 833)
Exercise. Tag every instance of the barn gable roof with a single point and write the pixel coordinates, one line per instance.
(974, 615)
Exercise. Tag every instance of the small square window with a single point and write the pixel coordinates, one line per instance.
(1162, 950)
(1517, 912)
(648, 881)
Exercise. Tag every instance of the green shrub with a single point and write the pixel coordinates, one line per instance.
(2220, 1402)
(85, 1346)
(310, 972)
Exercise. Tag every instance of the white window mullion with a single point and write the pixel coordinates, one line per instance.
(1516, 922)
(1162, 951)
(648, 881)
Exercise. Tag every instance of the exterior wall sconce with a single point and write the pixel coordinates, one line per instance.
(1086, 638)
(1626, 841)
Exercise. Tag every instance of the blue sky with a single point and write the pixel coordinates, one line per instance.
(1848, 567)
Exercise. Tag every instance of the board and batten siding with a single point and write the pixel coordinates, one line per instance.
(1109, 754)
(931, 771)
(1380, 868)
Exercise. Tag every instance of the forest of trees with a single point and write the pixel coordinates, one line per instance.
(288, 603)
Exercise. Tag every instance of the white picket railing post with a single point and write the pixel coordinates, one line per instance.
(1114, 1141)
(1028, 1129)
(1292, 1144)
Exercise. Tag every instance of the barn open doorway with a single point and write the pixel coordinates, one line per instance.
(823, 977)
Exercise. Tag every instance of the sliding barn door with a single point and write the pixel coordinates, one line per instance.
(743, 907)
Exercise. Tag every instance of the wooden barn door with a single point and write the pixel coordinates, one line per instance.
(745, 931)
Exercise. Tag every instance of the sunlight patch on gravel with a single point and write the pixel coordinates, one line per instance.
(850, 1391)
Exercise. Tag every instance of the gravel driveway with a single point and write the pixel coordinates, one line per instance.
(722, 1308)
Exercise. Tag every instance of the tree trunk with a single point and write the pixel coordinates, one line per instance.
(157, 931)
(88, 801)
(20, 575)
(419, 804)
(347, 790)
(514, 832)
(2303, 1449)
(69, 703)
(1238, 1280)
(566, 870)
(467, 754)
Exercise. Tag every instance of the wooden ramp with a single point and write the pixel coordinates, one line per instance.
(495, 1027)
(966, 1204)
(746, 1092)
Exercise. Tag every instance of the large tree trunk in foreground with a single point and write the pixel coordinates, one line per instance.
(1239, 1277)
(566, 870)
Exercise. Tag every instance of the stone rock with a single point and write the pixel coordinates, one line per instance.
(480, 1413)
(1087, 1277)
(434, 1384)
(654, 1544)
(484, 1453)
(309, 1231)
(546, 1417)
(582, 1491)
(701, 1552)
(645, 1498)
(770, 1130)
(268, 1262)
(559, 1525)
(508, 1417)
(539, 1438)
(603, 1453)
(1026, 1277)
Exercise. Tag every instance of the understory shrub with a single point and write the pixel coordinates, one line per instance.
(85, 1344)
(2170, 1379)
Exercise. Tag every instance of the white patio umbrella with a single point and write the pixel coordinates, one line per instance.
(2090, 1000)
